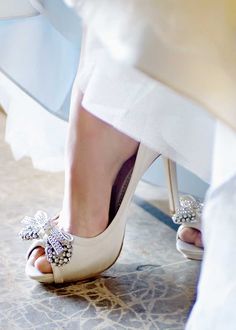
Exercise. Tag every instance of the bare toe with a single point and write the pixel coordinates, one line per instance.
(39, 260)
(36, 253)
(198, 240)
(42, 264)
(192, 236)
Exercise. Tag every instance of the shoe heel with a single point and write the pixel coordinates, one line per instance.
(172, 184)
(145, 157)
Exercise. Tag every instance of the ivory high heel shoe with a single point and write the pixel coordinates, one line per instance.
(75, 258)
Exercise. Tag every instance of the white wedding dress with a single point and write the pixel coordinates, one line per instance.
(122, 96)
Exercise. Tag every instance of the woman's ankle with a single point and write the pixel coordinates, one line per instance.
(84, 224)
(94, 159)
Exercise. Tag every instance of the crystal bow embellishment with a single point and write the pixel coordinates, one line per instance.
(58, 248)
(190, 210)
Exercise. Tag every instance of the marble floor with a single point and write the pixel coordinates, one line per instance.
(151, 286)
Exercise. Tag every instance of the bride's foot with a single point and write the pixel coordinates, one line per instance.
(76, 258)
(95, 153)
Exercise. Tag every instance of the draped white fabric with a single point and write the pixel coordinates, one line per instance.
(16, 8)
(176, 42)
(130, 101)
(42, 61)
(215, 307)
(32, 131)
(148, 111)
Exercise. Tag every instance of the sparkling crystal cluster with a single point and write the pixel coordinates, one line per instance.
(58, 244)
(189, 211)
(63, 258)
(29, 233)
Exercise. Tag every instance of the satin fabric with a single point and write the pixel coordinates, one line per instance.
(45, 66)
(188, 45)
(215, 306)
(39, 58)
(16, 8)
(41, 54)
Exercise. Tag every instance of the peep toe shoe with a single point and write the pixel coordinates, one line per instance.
(75, 258)
(188, 215)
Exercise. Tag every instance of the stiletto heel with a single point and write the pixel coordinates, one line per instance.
(172, 184)
(75, 258)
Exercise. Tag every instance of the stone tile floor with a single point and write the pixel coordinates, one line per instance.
(150, 287)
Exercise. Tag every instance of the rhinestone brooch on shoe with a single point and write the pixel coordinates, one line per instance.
(190, 210)
(58, 248)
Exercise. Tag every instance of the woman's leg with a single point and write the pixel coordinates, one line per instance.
(95, 153)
